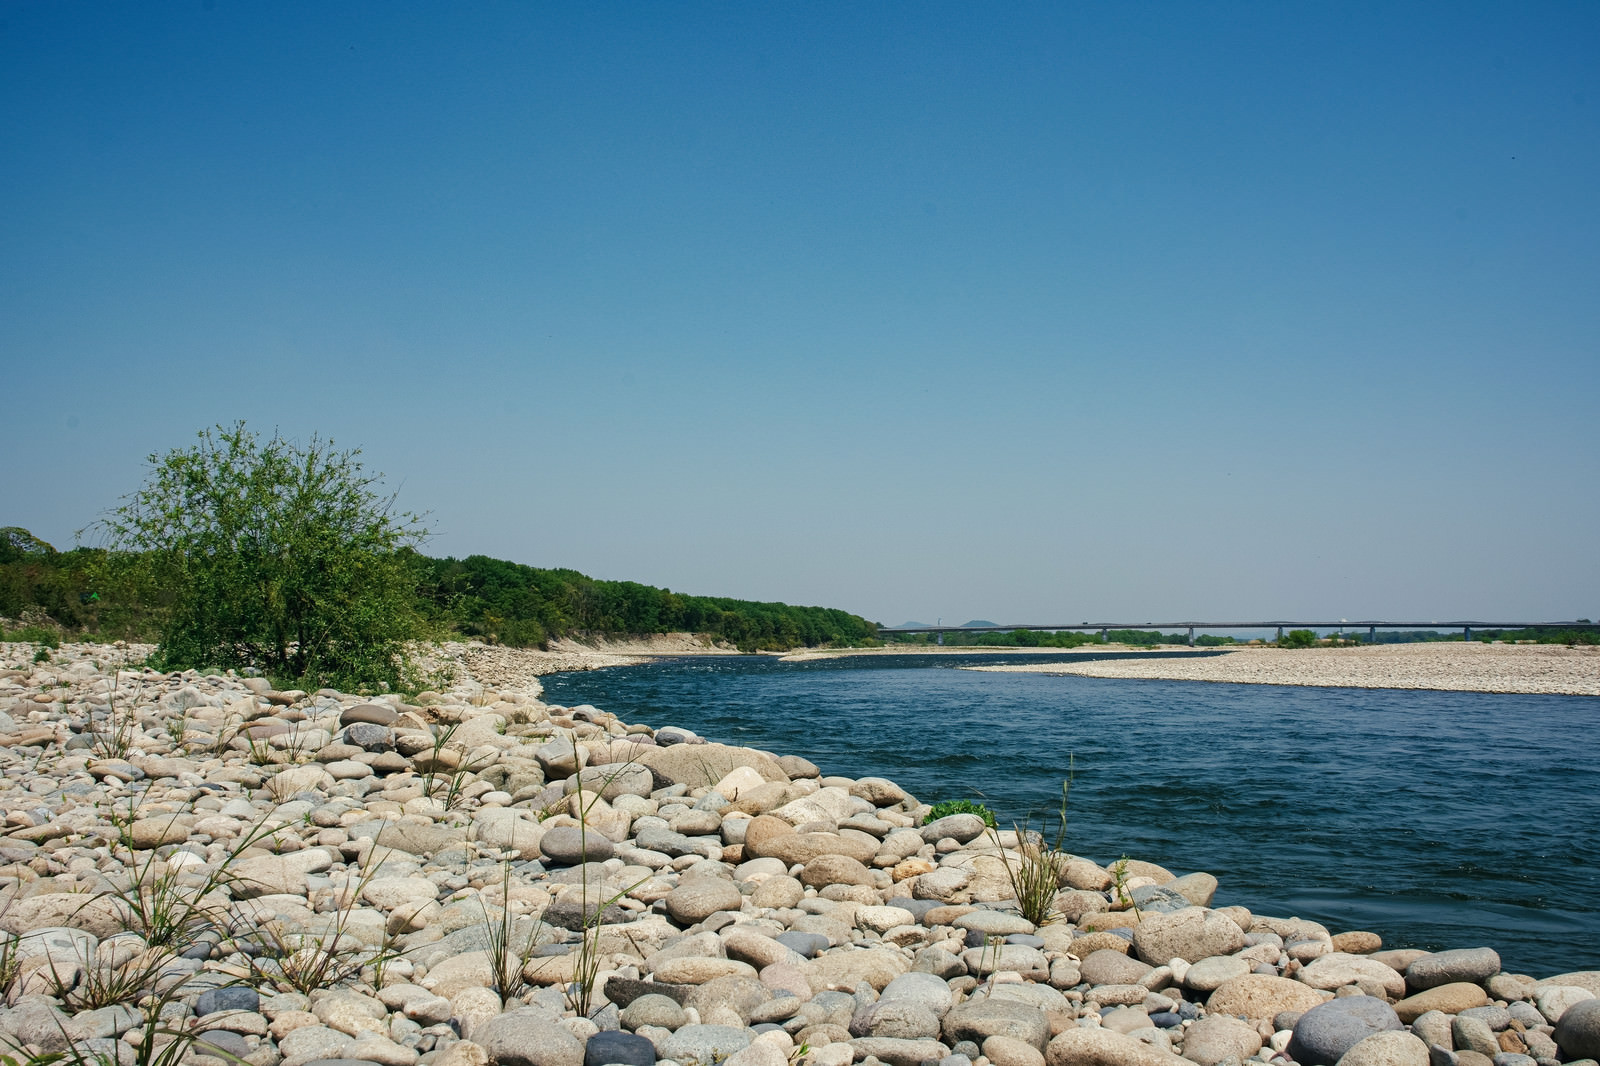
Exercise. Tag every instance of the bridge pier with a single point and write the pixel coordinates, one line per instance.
(1372, 634)
(1466, 634)
(1280, 633)
(1191, 636)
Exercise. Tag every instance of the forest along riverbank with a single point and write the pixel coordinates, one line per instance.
(736, 906)
(1551, 669)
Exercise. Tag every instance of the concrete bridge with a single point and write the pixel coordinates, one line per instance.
(1371, 627)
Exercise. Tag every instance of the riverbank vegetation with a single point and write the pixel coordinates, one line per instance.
(286, 558)
(1030, 638)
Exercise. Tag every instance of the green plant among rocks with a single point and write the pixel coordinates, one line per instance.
(1035, 874)
(164, 903)
(509, 950)
(302, 962)
(586, 967)
(113, 737)
(945, 808)
(1119, 887)
(447, 788)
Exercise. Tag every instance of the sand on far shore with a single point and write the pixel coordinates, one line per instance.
(1546, 669)
(1542, 669)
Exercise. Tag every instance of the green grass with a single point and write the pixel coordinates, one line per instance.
(945, 808)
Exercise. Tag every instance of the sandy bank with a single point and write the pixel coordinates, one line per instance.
(1512, 668)
(518, 669)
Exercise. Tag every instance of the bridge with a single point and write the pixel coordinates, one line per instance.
(1371, 627)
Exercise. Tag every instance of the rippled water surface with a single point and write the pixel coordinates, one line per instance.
(1437, 819)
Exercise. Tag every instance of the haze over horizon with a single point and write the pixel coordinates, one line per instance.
(1041, 313)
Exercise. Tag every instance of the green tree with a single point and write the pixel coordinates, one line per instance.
(273, 555)
(1298, 638)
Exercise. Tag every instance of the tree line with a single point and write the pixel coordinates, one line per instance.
(286, 558)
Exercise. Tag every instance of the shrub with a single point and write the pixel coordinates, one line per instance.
(273, 555)
(945, 808)
(1298, 638)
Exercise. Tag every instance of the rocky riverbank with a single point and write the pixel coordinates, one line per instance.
(1547, 669)
(475, 877)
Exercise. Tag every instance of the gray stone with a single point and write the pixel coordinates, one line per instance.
(1495, 1017)
(736, 992)
(897, 1052)
(624, 1049)
(993, 923)
(1471, 965)
(903, 1020)
(1159, 899)
(313, 1042)
(1578, 1031)
(926, 990)
(233, 997)
(697, 898)
(369, 737)
(611, 780)
(1208, 975)
(1217, 1038)
(653, 1009)
(960, 827)
(1325, 1032)
(1191, 934)
(978, 1019)
(1434, 1028)
(35, 1020)
(1474, 1034)
(568, 846)
(808, 945)
(369, 713)
(1197, 888)
(1554, 1001)
(527, 1037)
(1392, 1048)
(705, 1045)
(659, 838)
(1106, 967)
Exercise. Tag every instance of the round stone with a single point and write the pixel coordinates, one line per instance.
(567, 845)
(654, 1009)
(696, 899)
(1578, 1031)
(371, 713)
(1385, 1049)
(621, 1049)
(1325, 1032)
(1470, 965)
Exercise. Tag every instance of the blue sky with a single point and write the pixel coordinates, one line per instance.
(1028, 313)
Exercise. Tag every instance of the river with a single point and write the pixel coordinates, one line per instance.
(1436, 819)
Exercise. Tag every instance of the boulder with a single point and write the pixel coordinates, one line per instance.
(978, 1019)
(1215, 1038)
(1262, 997)
(1325, 1032)
(1578, 1031)
(1452, 999)
(1394, 1048)
(1192, 934)
(527, 1037)
(1103, 1047)
(1470, 965)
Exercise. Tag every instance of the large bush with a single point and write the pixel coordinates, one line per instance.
(273, 555)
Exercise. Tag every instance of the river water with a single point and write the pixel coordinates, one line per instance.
(1436, 819)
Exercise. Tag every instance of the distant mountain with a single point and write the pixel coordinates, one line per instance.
(930, 625)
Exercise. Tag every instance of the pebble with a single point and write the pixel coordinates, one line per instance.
(753, 904)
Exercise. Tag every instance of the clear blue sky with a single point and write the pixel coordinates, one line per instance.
(1021, 312)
